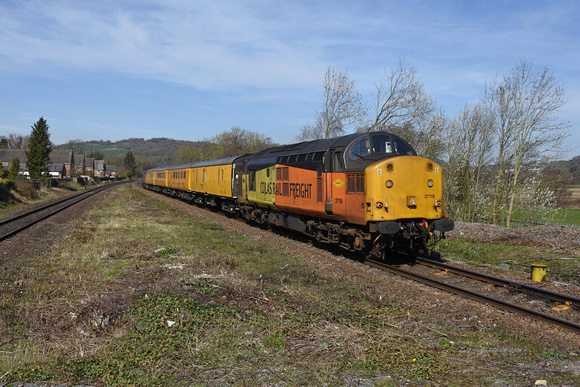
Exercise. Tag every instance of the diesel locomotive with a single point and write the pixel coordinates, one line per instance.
(365, 192)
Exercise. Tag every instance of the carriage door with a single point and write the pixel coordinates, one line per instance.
(334, 168)
(237, 180)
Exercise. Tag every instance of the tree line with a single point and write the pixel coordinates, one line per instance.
(495, 151)
(38, 147)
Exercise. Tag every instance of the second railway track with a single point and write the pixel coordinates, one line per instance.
(12, 226)
(541, 304)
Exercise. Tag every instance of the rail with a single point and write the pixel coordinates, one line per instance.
(12, 226)
(499, 303)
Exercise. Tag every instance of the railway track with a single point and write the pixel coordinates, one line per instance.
(12, 226)
(541, 304)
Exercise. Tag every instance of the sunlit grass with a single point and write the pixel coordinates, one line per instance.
(189, 301)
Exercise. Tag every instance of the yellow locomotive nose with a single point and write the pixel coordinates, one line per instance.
(404, 187)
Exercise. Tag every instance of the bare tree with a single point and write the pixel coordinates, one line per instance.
(525, 106)
(401, 103)
(342, 107)
(77, 145)
(238, 141)
(428, 136)
(190, 154)
(14, 141)
(470, 148)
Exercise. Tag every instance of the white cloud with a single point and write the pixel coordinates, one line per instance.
(278, 51)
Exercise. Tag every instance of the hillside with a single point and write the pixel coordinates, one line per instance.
(162, 150)
(569, 170)
(155, 148)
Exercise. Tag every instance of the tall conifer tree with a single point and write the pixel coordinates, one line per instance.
(130, 162)
(39, 149)
(14, 169)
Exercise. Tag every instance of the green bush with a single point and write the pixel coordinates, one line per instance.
(6, 185)
(26, 188)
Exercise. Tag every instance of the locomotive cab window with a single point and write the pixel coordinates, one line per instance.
(402, 149)
(360, 149)
(382, 144)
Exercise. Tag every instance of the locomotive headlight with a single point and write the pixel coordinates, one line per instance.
(430, 183)
(379, 205)
(389, 184)
(430, 167)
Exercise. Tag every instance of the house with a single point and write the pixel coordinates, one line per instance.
(111, 170)
(79, 164)
(57, 171)
(7, 155)
(90, 166)
(64, 157)
(100, 168)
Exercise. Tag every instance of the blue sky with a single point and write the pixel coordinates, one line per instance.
(188, 69)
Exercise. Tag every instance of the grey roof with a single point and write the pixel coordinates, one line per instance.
(56, 167)
(7, 155)
(62, 156)
(79, 159)
(99, 164)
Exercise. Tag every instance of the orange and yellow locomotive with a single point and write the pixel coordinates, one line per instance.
(366, 192)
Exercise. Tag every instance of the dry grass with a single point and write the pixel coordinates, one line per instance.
(141, 294)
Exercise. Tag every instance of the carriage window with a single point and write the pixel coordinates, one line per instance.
(402, 149)
(382, 144)
(360, 149)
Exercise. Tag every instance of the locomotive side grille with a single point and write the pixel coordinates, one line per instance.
(282, 173)
(285, 189)
(319, 189)
(355, 183)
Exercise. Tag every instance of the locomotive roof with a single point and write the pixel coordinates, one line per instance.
(220, 161)
(309, 146)
(197, 164)
(317, 145)
(270, 155)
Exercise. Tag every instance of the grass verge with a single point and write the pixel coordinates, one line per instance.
(141, 294)
(511, 259)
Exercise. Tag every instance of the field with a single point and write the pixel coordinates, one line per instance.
(572, 216)
(105, 149)
(140, 292)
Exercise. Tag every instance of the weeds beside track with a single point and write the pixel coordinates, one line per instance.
(142, 294)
